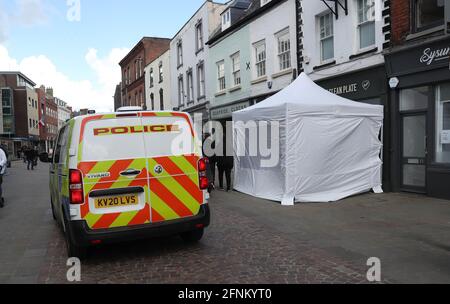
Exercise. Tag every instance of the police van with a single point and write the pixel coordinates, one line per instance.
(126, 176)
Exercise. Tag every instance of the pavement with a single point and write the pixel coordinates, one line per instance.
(249, 241)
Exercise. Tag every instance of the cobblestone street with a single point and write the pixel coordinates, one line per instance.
(238, 247)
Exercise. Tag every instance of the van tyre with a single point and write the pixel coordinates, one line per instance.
(73, 250)
(192, 236)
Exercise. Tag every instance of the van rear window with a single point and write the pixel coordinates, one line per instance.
(128, 138)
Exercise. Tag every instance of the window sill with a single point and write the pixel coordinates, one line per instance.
(235, 88)
(425, 32)
(201, 97)
(259, 80)
(324, 65)
(220, 93)
(179, 66)
(363, 52)
(282, 73)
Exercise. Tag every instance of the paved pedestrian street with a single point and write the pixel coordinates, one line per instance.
(249, 241)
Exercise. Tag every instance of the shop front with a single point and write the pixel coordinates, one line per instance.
(367, 86)
(420, 117)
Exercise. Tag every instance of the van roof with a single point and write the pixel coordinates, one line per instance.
(125, 113)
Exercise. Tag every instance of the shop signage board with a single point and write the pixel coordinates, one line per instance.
(227, 111)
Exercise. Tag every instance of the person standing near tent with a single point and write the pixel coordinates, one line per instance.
(225, 165)
(3, 163)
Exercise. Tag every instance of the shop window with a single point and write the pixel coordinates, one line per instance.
(443, 124)
(414, 99)
(428, 13)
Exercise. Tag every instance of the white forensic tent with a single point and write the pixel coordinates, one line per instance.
(329, 146)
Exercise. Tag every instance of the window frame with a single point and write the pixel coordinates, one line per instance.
(180, 90)
(414, 19)
(190, 86)
(360, 23)
(260, 64)
(284, 56)
(201, 84)
(199, 39)
(179, 53)
(236, 69)
(221, 81)
(322, 39)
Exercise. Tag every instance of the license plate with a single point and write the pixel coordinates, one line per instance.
(116, 201)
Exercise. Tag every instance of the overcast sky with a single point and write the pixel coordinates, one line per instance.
(79, 58)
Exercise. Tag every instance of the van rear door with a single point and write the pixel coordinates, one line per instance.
(114, 167)
(172, 157)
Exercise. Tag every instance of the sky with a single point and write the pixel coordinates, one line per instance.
(74, 46)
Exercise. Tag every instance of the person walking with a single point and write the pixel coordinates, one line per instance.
(3, 163)
(30, 156)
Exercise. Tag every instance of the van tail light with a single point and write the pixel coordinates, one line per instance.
(203, 178)
(76, 187)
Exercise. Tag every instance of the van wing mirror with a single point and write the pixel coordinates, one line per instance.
(43, 157)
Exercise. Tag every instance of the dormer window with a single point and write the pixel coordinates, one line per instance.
(264, 2)
(226, 19)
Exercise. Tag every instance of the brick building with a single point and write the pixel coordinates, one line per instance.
(417, 64)
(48, 116)
(118, 97)
(19, 113)
(132, 66)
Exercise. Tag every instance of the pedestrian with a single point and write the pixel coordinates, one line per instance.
(211, 165)
(30, 156)
(225, 165)
(3, 163)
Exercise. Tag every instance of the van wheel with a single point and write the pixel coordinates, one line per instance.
(73, 251)
(192, 236)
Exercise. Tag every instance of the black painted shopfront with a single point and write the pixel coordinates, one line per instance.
(420, 118)
(368, 86)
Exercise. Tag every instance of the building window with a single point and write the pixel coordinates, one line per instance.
(221, 76)
(180, 90)
(199, 36)
(226, 20)
(180, 53)
(326, 37)
(161, 99)
(201, 80)
(236, 66)
(152, 101)
(151, 78)
(428, 13)
(260, 58)
(443, 124)
(190, 86)
(284, 50)
(160, 69)
(135, 69)
(366, 23)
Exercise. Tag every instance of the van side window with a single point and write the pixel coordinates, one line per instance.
(61, 146)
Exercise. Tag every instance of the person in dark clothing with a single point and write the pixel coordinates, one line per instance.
(31, 156)
(211, 166)
(225, 165)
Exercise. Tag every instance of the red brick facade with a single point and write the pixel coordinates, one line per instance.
(132, 66)
(400, 20)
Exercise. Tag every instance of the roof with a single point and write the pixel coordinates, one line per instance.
(21, 75)
(305, 96)
(253, 11)
(138, 44)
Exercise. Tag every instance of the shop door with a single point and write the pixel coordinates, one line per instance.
(414, 152)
